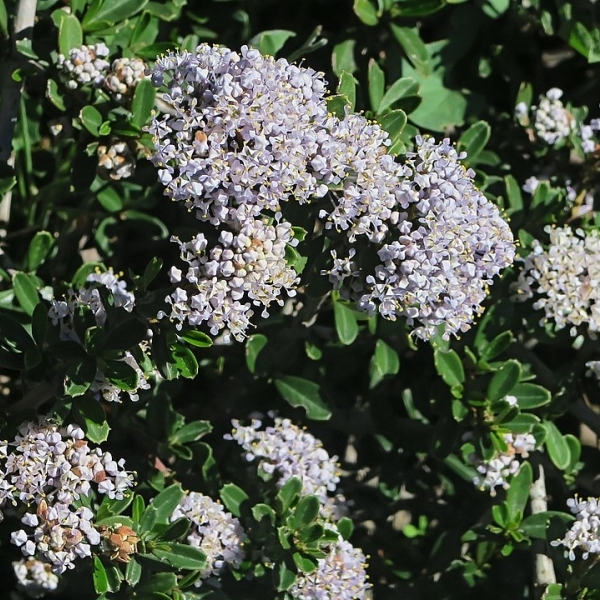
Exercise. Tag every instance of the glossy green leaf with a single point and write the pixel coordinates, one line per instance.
(499, 344)
(557, 447)
(91, 119)
(384, 362)
(347, 87)
(288, 493)
(254, 344)
(180, 556)
(121, 374)
(271, 42)
(126, 336)
(343, 57)
(531, 395)
(376, 85)
(305, 564)
(39, 248)
(366, 11)
(401, 88)
(143, 102)
(306, 511)
(79, 376)
(536, 526)
(70, 34)
(196, 338)
(474, 139)
(449, 367)
(504, 380)
(104, 13)
(191, 432)
(92, 417)
(416, 8)
(518, 492)
(302, 392)
(233, 497)
(26, 291)
(285, 578)
(413, 46)
(99, 577)
(393, 122)
(345, 323)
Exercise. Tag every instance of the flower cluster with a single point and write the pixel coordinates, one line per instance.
(584, 533)
(124, 75)
(86, 64)
(214, 530)
(35, 577)
(442, 242)
(245, 133)
(340, 575)
(564, 278)
(115, 161)
(46, 469)
(89, 298)
(284, 450)
(497, 471)
(245, 268)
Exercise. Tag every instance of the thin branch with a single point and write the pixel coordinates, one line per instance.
(543, 574)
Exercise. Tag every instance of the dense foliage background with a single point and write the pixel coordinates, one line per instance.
(418, 426)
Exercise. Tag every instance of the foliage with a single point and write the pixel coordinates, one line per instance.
(328, 366)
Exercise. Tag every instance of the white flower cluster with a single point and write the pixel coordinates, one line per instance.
(285, 451)
(497, 471)
(340, 575)
(115, 160)
(35, 578)
(62, 312)
(584, 532)
(564, 278)
(245, 268)
(245, 133)
(215, 531)
(86, 64)
(124, 75)
(46, 469)
(442, 242)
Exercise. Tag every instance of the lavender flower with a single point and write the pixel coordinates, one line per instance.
(340, 575)
(564, 278)
(215, 531)
(499, 469)
(48, 468)
(284, 450)
(584, 532)
(86, 64)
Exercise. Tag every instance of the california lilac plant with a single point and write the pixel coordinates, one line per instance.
(298, 300)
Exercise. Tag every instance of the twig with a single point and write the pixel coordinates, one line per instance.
(544, 573)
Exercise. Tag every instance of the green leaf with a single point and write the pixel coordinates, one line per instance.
(305, 564)
(553, 592)
(104, 13)
(302, 392)
(518, 492)
(151, 271)
(39, 248)
(70, 34)
(196, 338)
(125, 336)
(449, 367)
(233, 497)
(162, 507)
(84, 271)
(513, 194)
(176, 530)
(306, 511)
(376, 85)
(345, 323)
(531, 395)
(133, 572)
(504, 380)
(413, 46)
(191, 432)
(260, 511)
(401, 88)
(384, 362)
(158, 582)
(285, 578)
(271, 42)
(79, 376)
(99, 577)
(347, 87)
(288, 494)
(537, 525)
(345, 527)
(143, 102)
(13, 336)
(498, 345)
(474, 139)
(111, 507)
(342, 58)
(121, 374)
(557, 446)
(91, 119)
(180, 556)
(184, 360)
(92, 417)
(366, 12)
(110, 199)
(26, 291)
(337, 106)
(254, 344)
(393, 122)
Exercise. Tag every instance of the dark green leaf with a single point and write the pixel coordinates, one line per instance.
(180, 556)
(383, 362)
(288, 493)
(191, 432)
(91, 119)
(151, 271)
(121, 374)
(70, 34)
(92, 417)
(271, 42)
(162, 507)
(413, 46)
(474, 139)
(405, 86)
(504, 380)
(126, 336)
(345, 323)
(416, 8)
(345, 527)
(531, 395)
(518, 492)
(39, 249)
(536, 526)
(158, 582)
(254, 344)
(557, 446)
(196, 338)
(233, 497)
(302, 392)
(347, 87)
(449, 367)
(143, 102)
(108, 12)
(342, 59)
(337, 105)
(133, 572)
(305, 564)
(79, 376)
(110, 199)
(286, 578)
(306, 511)
(99, 577)
(376, 85)
(26, 291)
(498, 345)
